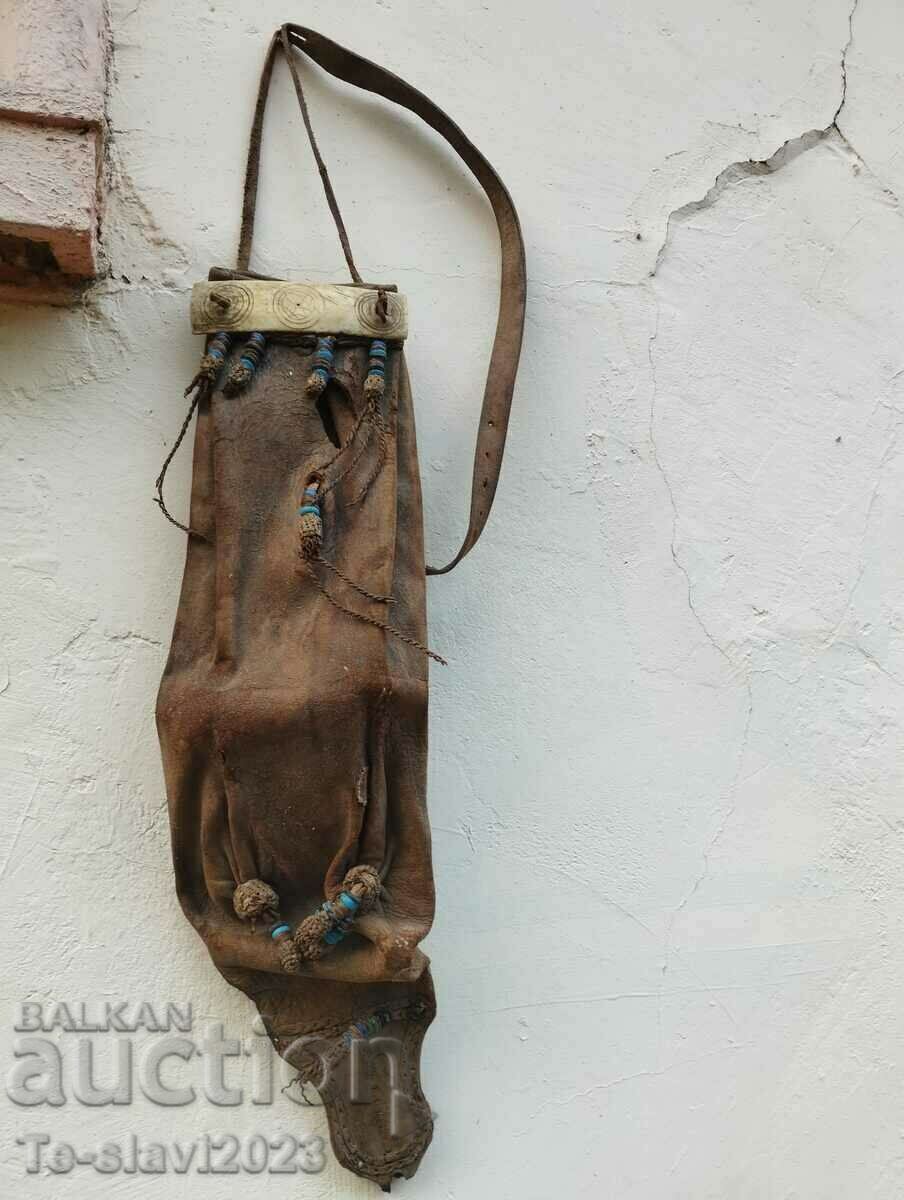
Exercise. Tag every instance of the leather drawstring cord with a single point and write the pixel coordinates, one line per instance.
(310, 544)
(202, 388)
(368, 620)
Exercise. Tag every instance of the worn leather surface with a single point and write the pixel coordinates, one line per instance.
(294, 737)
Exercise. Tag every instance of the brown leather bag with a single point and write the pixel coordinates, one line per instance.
(293, 708)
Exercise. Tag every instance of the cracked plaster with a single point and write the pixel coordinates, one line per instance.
(681, 775)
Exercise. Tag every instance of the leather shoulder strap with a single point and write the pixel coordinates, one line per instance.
(497, 399)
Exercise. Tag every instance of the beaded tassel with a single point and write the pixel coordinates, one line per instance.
(249, 360)
(214, 357)
(322, 368)
(375, 383)
(342, 910)
(254, 900)
(310, 524)
(289, 958)
(334, 919)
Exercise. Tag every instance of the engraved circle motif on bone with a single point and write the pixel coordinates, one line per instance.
(297, 306)
(369, 316)
(227, 305)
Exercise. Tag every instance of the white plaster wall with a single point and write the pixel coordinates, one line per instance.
(666, 758)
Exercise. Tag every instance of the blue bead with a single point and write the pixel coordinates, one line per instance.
(279, 929)
(348, 901)
(333, 937)
(248, 362)
(309, 508)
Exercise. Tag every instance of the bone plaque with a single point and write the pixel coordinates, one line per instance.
(271, 306)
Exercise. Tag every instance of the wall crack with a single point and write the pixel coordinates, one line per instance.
(790, 150)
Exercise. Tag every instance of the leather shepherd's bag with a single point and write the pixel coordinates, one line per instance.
(293, 709)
